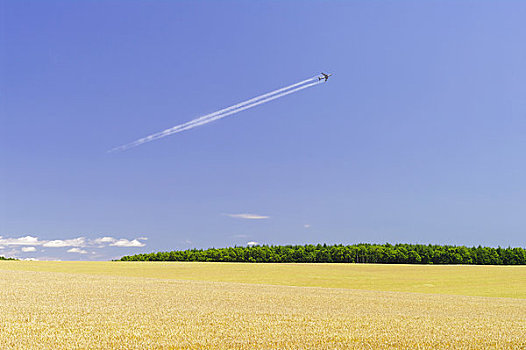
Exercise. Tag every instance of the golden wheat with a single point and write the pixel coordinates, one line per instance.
(55, 310)
(473, 280)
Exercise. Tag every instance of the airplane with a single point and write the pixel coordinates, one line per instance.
(325, 76)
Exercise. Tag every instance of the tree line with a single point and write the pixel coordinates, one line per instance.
(338, 253)
(4, 258)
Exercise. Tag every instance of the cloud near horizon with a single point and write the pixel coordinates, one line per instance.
(77, 250)
(248, 216)
(79, 242)
(27, 240)
(59, 243)
(127, 243)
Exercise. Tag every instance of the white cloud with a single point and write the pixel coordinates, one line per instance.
(60, 243)
(27, 240)
(114, 242)
(126, 243)
(31, 259)
(306, 225)
(77, 250)
(248, 216)
(104, 240)
(251, 244)
(12, 247)
(74, 242)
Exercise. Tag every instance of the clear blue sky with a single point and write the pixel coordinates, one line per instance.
(419, 137)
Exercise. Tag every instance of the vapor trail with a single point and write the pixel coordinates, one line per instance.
(221, 113)
(221, 116)
(242, 103)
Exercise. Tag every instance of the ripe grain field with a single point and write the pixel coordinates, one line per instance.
(84, 305)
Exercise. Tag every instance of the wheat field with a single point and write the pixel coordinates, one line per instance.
(151, 306)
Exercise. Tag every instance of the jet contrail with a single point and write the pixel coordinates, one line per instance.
(209, 120)
(222, 113)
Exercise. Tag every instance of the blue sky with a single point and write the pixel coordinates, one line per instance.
(419, 137)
